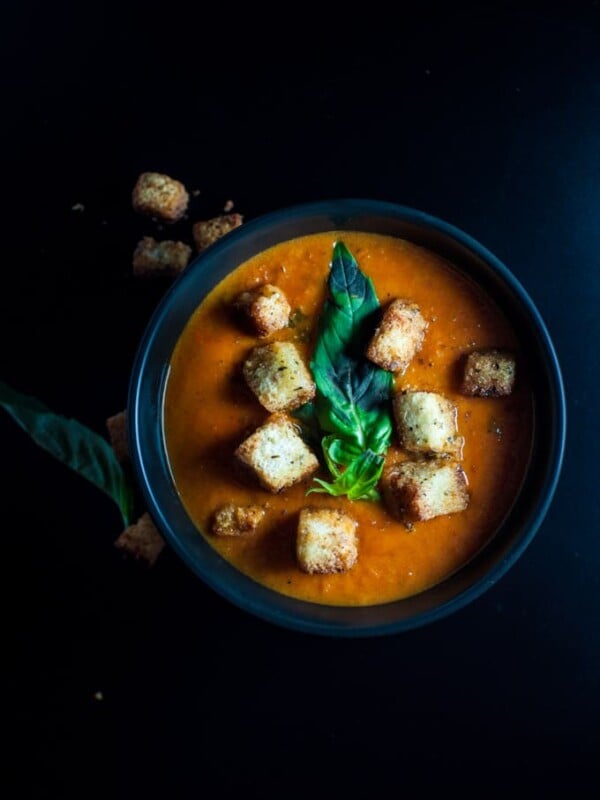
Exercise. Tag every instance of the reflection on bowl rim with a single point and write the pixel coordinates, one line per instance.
(148, 449)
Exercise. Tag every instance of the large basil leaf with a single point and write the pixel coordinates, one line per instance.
(351, 406)
(75, 445)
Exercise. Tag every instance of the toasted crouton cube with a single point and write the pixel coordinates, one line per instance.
(326, 541)
(158, 195)
(266, 307)
(276, 455)
(277, 375)
(489, 373)
(427, 423)
(422, 490)
(398, 337)
(232, 520)
(117, 434)
(152, 258)
(207, 231)
(141, 541)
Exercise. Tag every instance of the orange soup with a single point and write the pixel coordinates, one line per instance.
(209, 410)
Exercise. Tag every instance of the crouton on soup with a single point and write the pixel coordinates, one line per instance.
(276, 455)
(398, 337)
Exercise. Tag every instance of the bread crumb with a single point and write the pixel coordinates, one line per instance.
(158, 195)
(117, 434)
(152, 258)
(141, 541)
(326, 541)
(206, 232)
(232, 520)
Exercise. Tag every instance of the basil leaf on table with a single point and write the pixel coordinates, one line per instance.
(72, 443)
(351, 406)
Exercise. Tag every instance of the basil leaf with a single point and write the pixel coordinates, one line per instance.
(352, 392)
(358, 481)
(76, 446)
(351, 406)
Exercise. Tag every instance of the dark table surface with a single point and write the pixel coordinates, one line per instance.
(124, 682)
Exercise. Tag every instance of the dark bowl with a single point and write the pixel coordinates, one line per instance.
(147, 441)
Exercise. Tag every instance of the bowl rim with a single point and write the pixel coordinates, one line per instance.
(146, 437)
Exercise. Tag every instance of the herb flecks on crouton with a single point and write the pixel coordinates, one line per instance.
(233, 520)
(278, 376)
(158, 195)
(266, 308)
(489, 373)
(426, 423)
(141, 541)
(206, 232)
(276, 455)
(153, 258)
(422, 490)
(398, 337)
(326, 540)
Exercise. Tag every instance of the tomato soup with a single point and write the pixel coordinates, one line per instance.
(209, 411)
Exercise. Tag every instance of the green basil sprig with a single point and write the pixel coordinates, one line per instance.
(76, 446)
(351, 406)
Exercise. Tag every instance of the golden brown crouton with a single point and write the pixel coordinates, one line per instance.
(398, 337)
(152, 258)
(421, 490)
(489, 373)
(278, 377)
(427, 423)
(206, 232)
(141, 541)
(158, 195)
(232, 520)
(117, 434)
(266, 307)
(326, 541)
(276, 455)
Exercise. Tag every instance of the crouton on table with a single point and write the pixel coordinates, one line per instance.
(422, 490)
(276, 455)
(158, 195)
(398, 337)
(141, 541)
(326, 540)
(278, 376)
(266, 307)
(232, 520)
(426, 422)
(152, 257)
(206, 232)
(117, 435)
(489, 373)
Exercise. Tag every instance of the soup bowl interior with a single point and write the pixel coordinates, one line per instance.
(150, 456)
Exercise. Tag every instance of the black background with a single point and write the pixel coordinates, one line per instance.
(129, 683)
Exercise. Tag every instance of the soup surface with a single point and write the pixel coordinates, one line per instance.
(209, 411)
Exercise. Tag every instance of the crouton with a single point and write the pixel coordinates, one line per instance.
(426, 422)
(232, 520)
(489, 373)
(141, 541)
(152, 258)
(266, 307)
(422, 490)
(398, 337)
(326, 540)
(158, 195)
(117, 435)
(206, 232)
(278, 377)
(276, 455)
